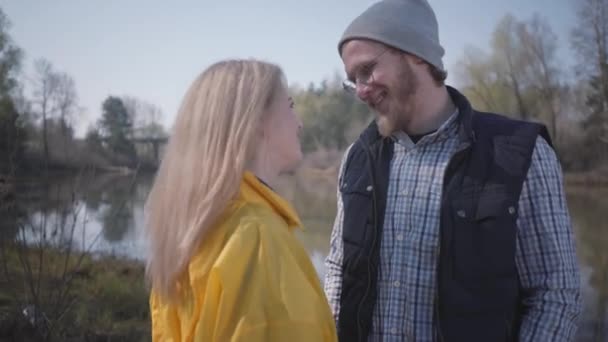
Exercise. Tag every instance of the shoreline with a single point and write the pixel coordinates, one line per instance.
(308, 171)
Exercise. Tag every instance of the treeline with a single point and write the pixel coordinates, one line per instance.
(522, 75)
(331, 117)
(39, 113)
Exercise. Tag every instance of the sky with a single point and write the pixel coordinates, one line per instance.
(153, 50)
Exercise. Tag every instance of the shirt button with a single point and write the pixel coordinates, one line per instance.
(400, 237)
(396, 283)
(461, 213)
(369, 188)
(394, 331)
(404, 192)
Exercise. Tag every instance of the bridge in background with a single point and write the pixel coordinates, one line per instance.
(153, 144)
(148, 150)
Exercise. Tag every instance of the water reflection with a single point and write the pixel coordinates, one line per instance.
(96, 213)
(589, 215)
(104, 213)
(116, 214)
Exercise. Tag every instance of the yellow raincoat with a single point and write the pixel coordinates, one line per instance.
(251, 280)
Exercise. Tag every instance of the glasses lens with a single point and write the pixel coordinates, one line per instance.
(349, 86)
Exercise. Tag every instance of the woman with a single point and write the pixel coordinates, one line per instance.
(224, 263)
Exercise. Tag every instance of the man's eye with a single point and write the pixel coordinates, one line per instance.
(365, 70)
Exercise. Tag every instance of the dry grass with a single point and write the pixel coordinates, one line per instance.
(108, 298)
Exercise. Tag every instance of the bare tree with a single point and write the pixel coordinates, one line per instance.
(486, 82)
(480, 78)
(66, 102)
(508, 57)
(520, 76)
(56, 103)
(590, 42)
(539, 45)
(590, 38)
(146, 118)
(46, 83)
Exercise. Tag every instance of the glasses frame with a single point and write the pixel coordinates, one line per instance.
(364, 74)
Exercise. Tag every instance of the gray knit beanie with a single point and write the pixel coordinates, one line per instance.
(408, 25)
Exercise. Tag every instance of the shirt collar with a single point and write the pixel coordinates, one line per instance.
(404, 140)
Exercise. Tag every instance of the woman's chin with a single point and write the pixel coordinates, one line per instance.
(293, 164)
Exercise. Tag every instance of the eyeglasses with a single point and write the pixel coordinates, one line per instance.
(363, 76)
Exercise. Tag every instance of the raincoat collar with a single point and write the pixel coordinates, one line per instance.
(254, 191)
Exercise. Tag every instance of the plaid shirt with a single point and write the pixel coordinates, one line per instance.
(407, 278)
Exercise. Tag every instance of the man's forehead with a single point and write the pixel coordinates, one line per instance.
(359, 51)
(360, 47)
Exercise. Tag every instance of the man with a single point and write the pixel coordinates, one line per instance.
(452, 224)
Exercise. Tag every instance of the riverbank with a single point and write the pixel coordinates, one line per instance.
(71, 297)
(595, 178)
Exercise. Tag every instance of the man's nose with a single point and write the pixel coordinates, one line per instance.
(363, 91)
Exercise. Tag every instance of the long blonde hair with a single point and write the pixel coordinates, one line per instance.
(212, 141)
